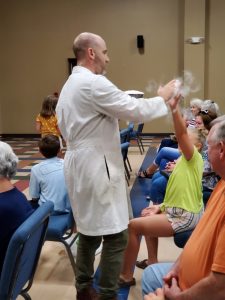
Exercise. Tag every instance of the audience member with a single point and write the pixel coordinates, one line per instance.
(88, 111)
(14, 207)
(167, 152)
(195, 107)
(199, 272)
(210, 105)
(209, 180)
(46, 121)
(182, 207)
(47, 181)
(165, 155)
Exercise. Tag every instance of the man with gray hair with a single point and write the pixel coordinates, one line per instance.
(88, 110)
(199, 272)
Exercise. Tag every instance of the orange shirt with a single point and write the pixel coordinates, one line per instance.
(205, 250)
(48, 125)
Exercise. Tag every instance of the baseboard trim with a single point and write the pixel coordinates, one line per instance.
(158, 134)
(19, 135)
(36, 135)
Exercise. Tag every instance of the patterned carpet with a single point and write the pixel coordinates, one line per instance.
(27, 151)
(28, 154)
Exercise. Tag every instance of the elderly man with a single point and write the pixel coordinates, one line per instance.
(88, 111)
(199, 272)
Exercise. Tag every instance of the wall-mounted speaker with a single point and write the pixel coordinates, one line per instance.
(140, 41)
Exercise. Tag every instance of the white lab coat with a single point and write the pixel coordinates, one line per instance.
(88, 110)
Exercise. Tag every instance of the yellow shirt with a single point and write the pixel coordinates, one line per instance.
(184, 188)
(48, 125)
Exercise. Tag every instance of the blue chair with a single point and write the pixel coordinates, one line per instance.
(124, 151)
(60, 229)
(125, 138)
(23, 254)
(137, 135)
(181, 238)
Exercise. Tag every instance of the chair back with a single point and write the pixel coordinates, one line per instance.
(124, 135)
(181, 238)
(124, 149)
(140, 128)
(23, 253)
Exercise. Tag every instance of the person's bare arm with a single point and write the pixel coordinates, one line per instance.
(38, 126)
(183, 139)
(211, 287)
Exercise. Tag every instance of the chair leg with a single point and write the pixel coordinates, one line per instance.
(71, 258)
(139, 146)
(128, 162)
(25, 296)
(127, 179)
(142, 146)
(126, 170)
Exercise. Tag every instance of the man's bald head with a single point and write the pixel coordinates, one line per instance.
(84, 41)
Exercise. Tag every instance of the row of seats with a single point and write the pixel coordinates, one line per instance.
(25, 248)
(126, 135)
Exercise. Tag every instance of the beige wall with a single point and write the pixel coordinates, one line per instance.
(37, 36)
(215, 62)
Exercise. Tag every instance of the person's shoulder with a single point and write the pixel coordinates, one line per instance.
(101, 82)
(197, 156)
(38, 117)
(37, 167)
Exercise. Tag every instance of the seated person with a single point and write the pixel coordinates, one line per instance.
(165, 155)
(199, 272)
(167, 152)
(182, 207)
(14, 207)
(195, 107)
(168, 142)
(47, 180)
(209, 180)
(210, 105)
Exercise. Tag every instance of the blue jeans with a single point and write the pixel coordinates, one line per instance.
(152, 277)
(167, 142)
(158, 188)
(165, 155)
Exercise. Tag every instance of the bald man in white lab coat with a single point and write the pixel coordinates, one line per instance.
(88, 110)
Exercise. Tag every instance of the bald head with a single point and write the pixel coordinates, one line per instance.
(84, 41)
(91, 52)
(217, 132)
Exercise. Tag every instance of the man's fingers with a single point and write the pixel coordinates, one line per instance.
(159, 292)
(174, 282)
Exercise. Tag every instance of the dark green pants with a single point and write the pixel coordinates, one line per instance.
(110, 263)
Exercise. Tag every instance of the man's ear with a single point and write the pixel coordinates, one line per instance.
(91, 53)
(222, 149)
